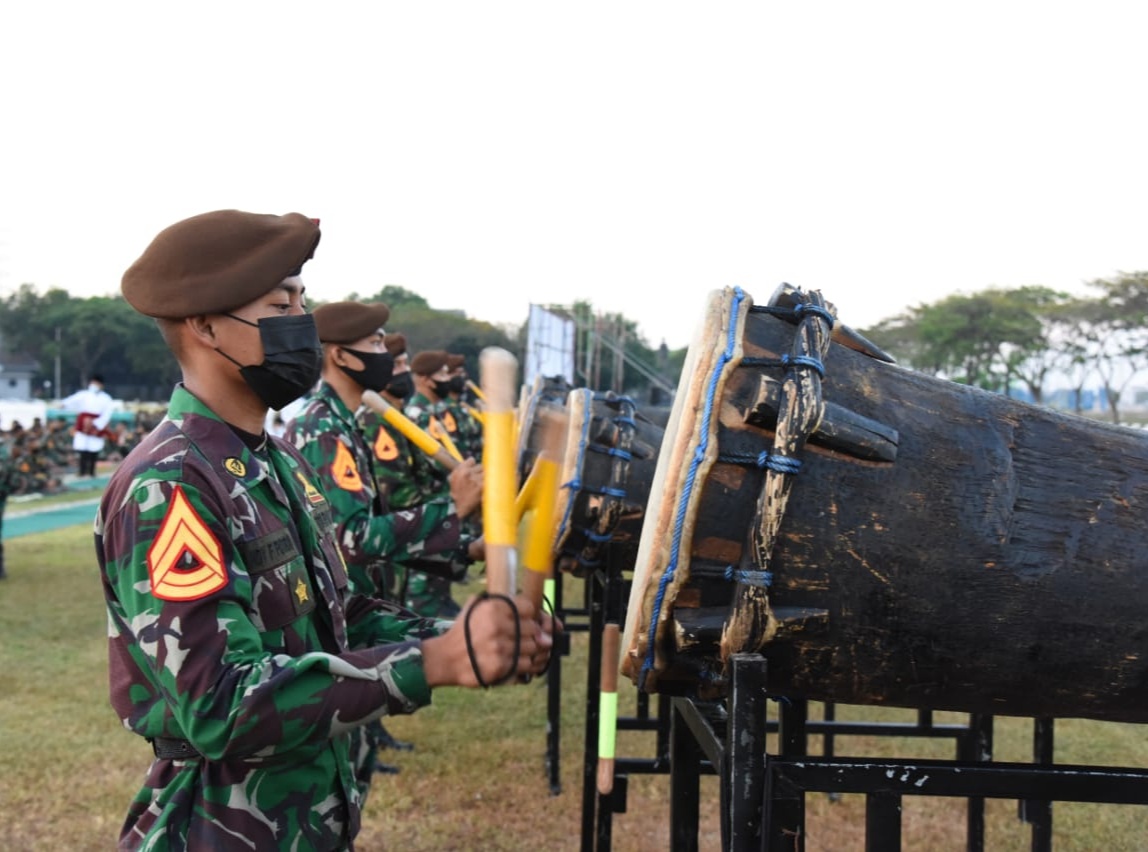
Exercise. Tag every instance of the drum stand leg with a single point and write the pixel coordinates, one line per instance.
(1038, 813)
(785, 803)
(686, 757)
(977, 747)
(595, 598)
(743, 765)
(554, 696)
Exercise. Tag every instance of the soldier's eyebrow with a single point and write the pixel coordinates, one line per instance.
(292, 287)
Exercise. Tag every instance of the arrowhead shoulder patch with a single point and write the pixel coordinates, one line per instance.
(385, 447)
(185, 561)
(344, 470)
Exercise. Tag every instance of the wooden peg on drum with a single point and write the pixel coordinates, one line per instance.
(788, 296)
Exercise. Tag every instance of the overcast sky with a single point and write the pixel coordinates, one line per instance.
(487, 155)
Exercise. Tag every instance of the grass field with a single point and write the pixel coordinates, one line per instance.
(476, 779)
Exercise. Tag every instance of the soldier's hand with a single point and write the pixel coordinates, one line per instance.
(476, 550)
(491, 621)
(466, 487)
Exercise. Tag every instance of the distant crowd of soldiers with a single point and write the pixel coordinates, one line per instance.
(38, 456)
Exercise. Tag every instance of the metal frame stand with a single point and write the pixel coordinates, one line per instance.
(606, 591)
(763, 795)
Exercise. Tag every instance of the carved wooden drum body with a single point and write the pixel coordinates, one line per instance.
(939, 547)
(607, 466)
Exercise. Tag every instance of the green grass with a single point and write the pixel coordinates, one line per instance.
(78, 491)
(476, 779)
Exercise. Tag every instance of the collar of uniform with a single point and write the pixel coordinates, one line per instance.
(337, 406)
(214, 438)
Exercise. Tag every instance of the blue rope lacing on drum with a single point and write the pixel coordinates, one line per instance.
(691, 476)
(764, 459)
(624, 455)
(575, 483)
(598, 538)
(787, 360)
(798, 311)
(763, 579)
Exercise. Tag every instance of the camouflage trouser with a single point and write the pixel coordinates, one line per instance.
(364, 754)
(430, 596)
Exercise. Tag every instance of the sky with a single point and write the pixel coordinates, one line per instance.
(636, 155)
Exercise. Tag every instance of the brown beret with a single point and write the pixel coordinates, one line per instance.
(455, 361)
(216, 262)
(346, 322)
(428, 363)
(396, 343)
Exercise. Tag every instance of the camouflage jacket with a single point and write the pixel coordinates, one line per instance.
(402, 470)
(7, 469)
(231, 626)
(327, 435)
(469, 438)
(430, 416)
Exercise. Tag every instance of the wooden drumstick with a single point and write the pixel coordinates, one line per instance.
(448, 443)
(538, 552)
(411, 430)
(525, 498)
(499, 372)
(608, 707)
(473, 412)
(477, 390)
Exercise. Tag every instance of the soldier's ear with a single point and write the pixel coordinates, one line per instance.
(201, 328)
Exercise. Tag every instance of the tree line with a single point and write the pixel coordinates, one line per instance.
(105, 335)
(997, 339)
(1030, 338)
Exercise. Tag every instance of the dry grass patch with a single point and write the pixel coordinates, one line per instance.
(477, 778)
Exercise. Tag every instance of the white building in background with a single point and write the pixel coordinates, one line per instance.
(16, 373)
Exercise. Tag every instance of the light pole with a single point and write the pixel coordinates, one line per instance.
(57, 386)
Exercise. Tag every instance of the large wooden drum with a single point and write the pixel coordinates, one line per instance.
(937, 546)
(608, 459)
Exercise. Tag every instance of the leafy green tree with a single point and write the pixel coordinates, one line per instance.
(1115, 334)
(988, 339)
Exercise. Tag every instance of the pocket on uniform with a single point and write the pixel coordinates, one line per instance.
(280, 585)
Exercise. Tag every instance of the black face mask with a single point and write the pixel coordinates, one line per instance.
(292, 359)
(376, 372)
(457, 384)
(402, 386)
(442, 389)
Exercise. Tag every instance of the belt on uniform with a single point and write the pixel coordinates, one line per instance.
(167, 748)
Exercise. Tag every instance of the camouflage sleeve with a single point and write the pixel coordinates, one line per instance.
(203, 649)
(372, 621)
(394, 459)
(365, 535)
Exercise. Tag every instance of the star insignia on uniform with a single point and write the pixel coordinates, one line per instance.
(301, 591)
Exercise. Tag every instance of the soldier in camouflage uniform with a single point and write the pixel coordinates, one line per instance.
(403, 472)
(58, 443)
(456, 401)
(6, 482)
(236, 647)
(371, 533)
(328, 435)
(429, 594)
